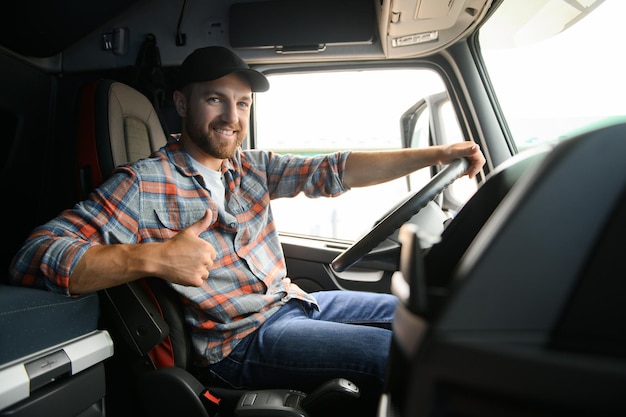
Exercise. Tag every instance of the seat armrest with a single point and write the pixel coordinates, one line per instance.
(134, 317)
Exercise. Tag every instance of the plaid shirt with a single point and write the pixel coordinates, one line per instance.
(153, 199)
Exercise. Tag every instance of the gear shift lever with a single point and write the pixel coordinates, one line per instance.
(333, 390)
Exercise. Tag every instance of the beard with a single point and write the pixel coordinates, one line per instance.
(211, 142)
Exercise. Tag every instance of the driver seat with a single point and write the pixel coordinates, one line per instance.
(153, 358)
(118, 124)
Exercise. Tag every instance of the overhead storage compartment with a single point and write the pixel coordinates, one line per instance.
(298, 26)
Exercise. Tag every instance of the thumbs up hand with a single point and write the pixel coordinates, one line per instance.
(188, 259)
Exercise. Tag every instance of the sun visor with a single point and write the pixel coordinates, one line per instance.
(298, 26)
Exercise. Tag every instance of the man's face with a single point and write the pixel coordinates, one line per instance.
(218, 115)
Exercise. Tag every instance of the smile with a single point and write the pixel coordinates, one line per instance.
(225, 132)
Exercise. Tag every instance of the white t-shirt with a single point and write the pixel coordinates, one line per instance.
(214, 183)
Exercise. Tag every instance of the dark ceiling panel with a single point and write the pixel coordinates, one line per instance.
(42, 29)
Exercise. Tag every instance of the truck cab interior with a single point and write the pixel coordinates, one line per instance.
(514, 308)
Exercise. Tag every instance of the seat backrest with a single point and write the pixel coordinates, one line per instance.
(118, 124)
(533, 323)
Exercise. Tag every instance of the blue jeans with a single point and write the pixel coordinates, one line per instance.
(301, 348)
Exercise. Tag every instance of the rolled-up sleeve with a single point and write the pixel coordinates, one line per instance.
(49, 255)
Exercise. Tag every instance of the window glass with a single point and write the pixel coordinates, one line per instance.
(311, 113)
(556, 66)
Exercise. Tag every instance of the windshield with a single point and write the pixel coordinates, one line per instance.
(556, 66)
(325, 111)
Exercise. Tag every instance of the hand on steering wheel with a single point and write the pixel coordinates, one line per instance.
(399, 215)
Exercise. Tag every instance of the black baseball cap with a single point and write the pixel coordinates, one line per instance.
(213, 62)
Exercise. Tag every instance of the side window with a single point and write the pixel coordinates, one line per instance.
(320, 112)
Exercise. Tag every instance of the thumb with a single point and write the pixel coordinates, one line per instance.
(202, 224)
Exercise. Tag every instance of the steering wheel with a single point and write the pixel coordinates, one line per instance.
(399, 215)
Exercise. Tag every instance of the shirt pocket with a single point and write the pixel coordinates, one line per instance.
(173, 221)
